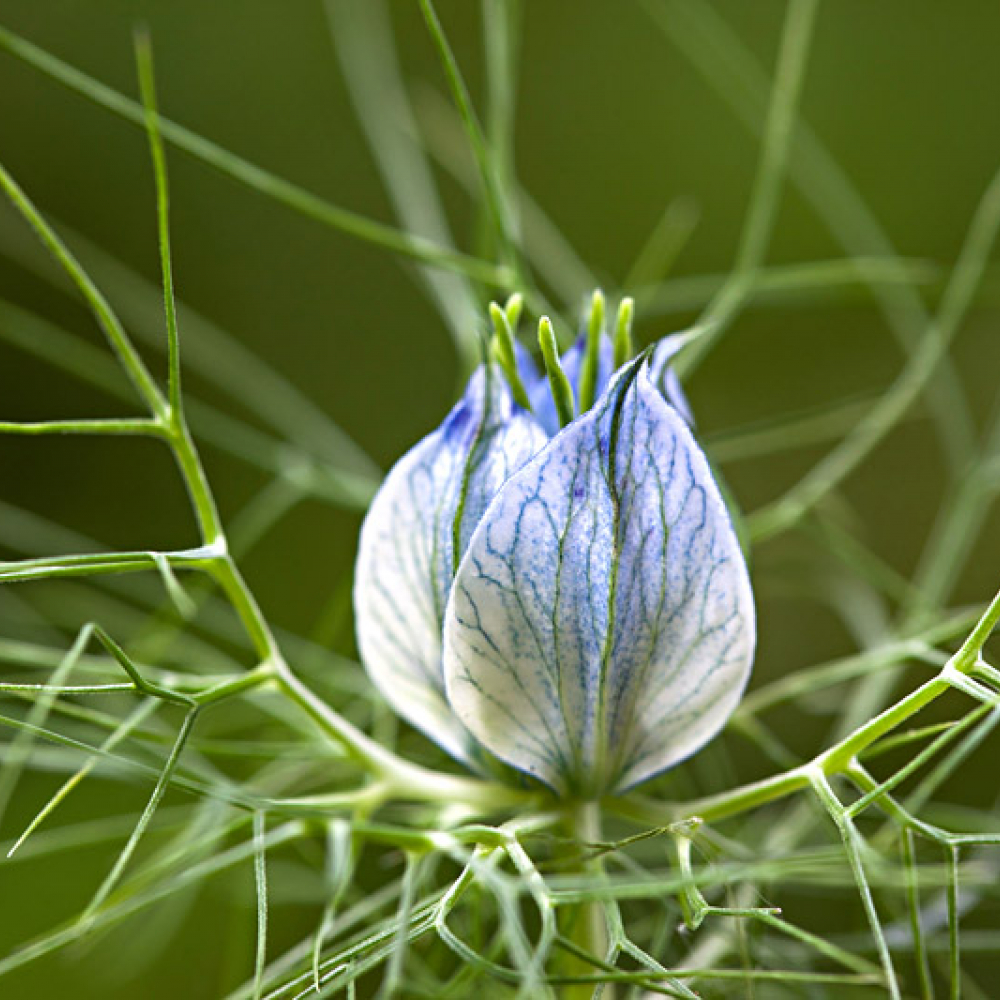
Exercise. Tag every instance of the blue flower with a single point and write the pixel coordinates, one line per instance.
(571, 600)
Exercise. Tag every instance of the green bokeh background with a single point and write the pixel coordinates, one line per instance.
(613, 123)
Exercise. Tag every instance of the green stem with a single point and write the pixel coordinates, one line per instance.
(147, 87)
(127, 355)
(492, 182)
(918, 372)
(93, 564)
(839, 757)
(111, 425)
(717, 807)
(193, 473)
(916, 929)
(249, 681)
(704, 36)
(270, 185)
(588, 930)
(800, 19)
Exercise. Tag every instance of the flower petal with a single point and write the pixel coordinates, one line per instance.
(666, 378)
(542, 404)
(601, 625)
(531, 375)
(432, 498)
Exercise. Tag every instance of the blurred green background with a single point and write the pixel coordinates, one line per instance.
(614, 122)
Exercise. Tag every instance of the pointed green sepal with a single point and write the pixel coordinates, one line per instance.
(513, 308)
(503, 347)
(624, 348)
(562, 391)
(588, 374)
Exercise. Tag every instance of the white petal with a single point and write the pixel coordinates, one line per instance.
(432, 497)
(601, 625)
(665, 377)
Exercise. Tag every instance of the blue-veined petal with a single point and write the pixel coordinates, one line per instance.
(432, 499)
(532, 377)
(542, 404)
(601, 625)
(662, 375)
(666, 378)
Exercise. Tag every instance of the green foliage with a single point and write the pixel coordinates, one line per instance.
(264, 754)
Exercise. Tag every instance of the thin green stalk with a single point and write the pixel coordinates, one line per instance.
(775, 284)
(589, 931)
(913, 905)
(853, 845)
(56, 688)
(725, 62)
(127, 355)
(136, 718)
(496, 198)
(260, 884)
(800, 18)
(291, 195)
(196, 482)
(544, 245)
(363, 40)
(137, 426)
(52, 567)
(162, 783)
(838, 758)
(147, 88)
(954, 952)
(909, 385)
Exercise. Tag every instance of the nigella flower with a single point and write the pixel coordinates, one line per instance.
(561, 590)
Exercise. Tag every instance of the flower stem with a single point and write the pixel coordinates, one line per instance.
(586, 924)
